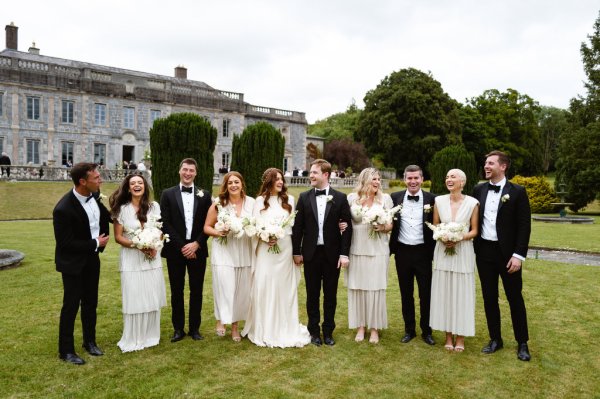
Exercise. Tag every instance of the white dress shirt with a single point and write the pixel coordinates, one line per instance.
(411, 220)
(188, 210)
(490, 213)
(92, 210)
(321, 205)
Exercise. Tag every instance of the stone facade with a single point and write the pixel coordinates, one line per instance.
(52, 106)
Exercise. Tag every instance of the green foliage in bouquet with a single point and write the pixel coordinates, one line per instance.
(259, 147)
(179, 136)
(539, 191)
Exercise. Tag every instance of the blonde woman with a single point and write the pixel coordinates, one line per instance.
(366, 275)
(453, 281)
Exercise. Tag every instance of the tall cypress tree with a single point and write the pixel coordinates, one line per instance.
(452, 157)
(259, 147)
(179, 136)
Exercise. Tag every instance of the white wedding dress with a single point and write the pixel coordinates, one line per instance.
(273, 315)
(143, 288)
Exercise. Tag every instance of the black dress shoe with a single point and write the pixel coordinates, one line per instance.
(408, 337)
(72, 358)
(196, 336)
(316, 340)
(428, 339)
(178, 335)
(92, 349)
(523, 352)
(493, 346)
(329, 340)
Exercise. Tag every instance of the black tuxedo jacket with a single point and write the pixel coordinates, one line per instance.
(513, 223)
(305, 232)
(428, 199)
(74, 242)
(173, 219)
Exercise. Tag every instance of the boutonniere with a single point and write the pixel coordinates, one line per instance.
(199, 193)
(505, 197)
(426, 208)
(329, 198)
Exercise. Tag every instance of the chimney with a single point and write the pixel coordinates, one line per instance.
(33, 49)
(12, 36)
(181, 72)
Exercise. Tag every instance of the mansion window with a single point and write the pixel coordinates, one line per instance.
(33, 151)
(100, 154)
(67, 111)
(128, 117)
(67, 153)
(154, 115)
(1, 101)
(225, 158)
(1, 144)
(226, 123)
(100, 114)
(33, 108)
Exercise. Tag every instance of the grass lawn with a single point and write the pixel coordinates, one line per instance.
(562, 303)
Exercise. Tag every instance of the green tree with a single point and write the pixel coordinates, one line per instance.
(577, 164)
(179, 136)
(553, 124)
(259, 147)
(337, 126)
(511, 126)
(475, 133)
(346, 153)
(452, 157)
(408, 118)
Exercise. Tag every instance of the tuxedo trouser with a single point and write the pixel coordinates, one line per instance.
(320, 269)
(79, 289)
(414, 261)
(490, 266)
(196, 268)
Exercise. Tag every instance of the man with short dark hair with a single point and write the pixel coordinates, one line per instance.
(81, 224)
(412, 245)
(501, 248)
(183, 209)
(320, 246)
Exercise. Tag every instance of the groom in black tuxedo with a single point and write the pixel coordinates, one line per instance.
(81, 225)
(412, 245)
(183, 210)
(501, 248)
(319, 244)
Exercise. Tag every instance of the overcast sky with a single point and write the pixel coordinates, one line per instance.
(316, 56)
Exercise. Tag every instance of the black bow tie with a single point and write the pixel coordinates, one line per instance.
(320, 192)
(89, 198)
(413, 198)
(493, 188)
(187, 189)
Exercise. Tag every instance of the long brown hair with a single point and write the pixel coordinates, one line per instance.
(123, 196)
(224, 193)
(268, 183)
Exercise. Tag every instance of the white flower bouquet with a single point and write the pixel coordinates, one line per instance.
(273, 229)
(150, 236)
(448, 232)
(228, 221)
(374, 216)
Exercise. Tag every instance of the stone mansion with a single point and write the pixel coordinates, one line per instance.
(54, 110)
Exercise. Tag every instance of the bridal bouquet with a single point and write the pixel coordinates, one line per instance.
(274, 229)
(150, 236)
(445, 232)
(228, 221)
(374, 216)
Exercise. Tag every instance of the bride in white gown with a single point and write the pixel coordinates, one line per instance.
(273, 315)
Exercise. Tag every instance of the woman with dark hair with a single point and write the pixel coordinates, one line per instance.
(273, 315)
(231, 257)
(142, 281)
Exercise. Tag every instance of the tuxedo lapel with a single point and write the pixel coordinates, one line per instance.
(313, 203)
(328, 204)
(505, 191)
(78, 208)
(177, 194)
(196, 200)
(482, 198)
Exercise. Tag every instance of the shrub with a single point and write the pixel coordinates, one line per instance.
(259, 147)
(539, 191)
(179, 136)
(452, 157)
